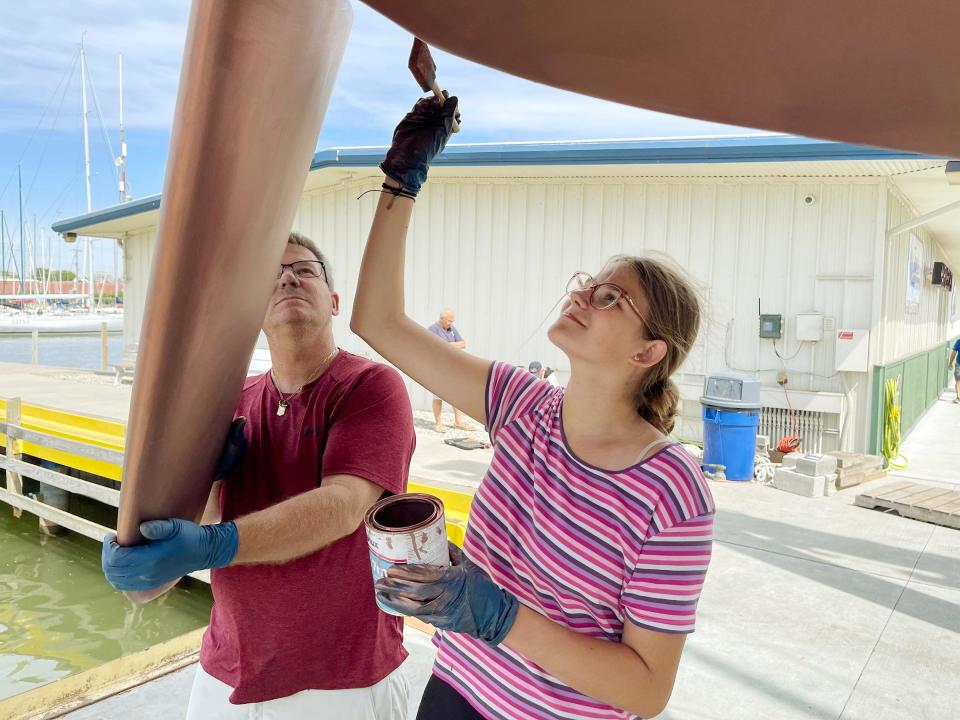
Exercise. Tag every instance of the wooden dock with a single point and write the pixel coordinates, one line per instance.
(919, 501)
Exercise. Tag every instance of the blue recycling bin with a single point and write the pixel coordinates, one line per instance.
(730, 439)
(731, 415)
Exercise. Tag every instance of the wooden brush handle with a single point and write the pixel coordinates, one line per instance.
(439, 95)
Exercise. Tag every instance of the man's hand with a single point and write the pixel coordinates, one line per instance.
(174, 548)
(233, 449)
(459, 598)
(418, 139)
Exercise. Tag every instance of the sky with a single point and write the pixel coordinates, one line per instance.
(41, 116)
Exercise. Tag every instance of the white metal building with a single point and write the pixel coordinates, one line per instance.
(764, 224)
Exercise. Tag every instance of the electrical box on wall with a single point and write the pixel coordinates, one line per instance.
(852, 353)
(771, 326)
(809, 327)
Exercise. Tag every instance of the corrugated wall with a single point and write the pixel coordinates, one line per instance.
(937, 318)
(499, 252)
(914, 345)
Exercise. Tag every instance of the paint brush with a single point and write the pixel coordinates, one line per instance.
(424, 70)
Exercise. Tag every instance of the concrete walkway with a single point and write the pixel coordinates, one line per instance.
(813, 608)
(166, 698)
(933, 447)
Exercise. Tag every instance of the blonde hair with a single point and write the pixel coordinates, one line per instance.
(673, 316)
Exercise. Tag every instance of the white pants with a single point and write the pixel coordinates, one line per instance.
(387, 700)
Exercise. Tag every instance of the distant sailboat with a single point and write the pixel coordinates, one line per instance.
(16, 320)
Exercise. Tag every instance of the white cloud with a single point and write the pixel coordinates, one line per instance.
(38, 42)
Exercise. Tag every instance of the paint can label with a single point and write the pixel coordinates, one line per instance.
(421, 543)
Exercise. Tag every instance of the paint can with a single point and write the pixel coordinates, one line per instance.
(408, 529)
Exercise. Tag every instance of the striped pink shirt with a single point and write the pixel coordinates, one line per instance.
(588, 548)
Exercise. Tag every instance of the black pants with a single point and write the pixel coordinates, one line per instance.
(442, 702)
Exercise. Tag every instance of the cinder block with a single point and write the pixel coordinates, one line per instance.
(816, 464)
(830, 484)
(790, 460)
(849, 478)
(846, 459)
(798, 483)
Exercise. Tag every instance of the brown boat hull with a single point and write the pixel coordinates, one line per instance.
(872, 73)
(255, 83)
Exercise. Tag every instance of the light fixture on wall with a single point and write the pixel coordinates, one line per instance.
(953, 172)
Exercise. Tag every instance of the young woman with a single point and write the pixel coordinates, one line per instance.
(590, 534)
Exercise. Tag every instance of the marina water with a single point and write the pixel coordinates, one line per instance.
(58, 615)
(73, 351)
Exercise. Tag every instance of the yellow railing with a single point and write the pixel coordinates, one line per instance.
(456, 508)
(90, 430)
(111, 434)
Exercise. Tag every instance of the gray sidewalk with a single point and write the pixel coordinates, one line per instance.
(166, 697)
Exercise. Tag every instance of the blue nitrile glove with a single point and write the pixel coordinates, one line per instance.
(233, 449)
(418, 139)
(460, 598)
(174, 548)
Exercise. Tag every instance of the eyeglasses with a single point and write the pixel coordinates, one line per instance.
(304, 269)
(602, 296)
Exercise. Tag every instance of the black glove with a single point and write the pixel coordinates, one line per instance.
(418, 139)
(233, 449)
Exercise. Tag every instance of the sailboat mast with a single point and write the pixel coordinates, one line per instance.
(88, 263)
(122, 160)
(20, 195)
(124, 195)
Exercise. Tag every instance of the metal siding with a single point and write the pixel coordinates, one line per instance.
(906, 334)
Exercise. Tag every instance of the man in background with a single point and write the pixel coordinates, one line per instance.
(444, 329)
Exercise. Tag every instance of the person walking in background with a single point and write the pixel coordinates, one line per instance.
(445, 330)
(955, 361)
(542, 372)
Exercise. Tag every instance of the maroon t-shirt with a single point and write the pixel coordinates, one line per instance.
(311, 623)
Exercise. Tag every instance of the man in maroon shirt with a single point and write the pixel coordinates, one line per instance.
(295, 630)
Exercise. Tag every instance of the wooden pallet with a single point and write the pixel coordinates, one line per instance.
(919, 501)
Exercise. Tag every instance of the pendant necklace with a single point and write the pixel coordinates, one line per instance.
(285, 401)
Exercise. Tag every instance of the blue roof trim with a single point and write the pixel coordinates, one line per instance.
(772, 148)
(776, 148)
(134, 207)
